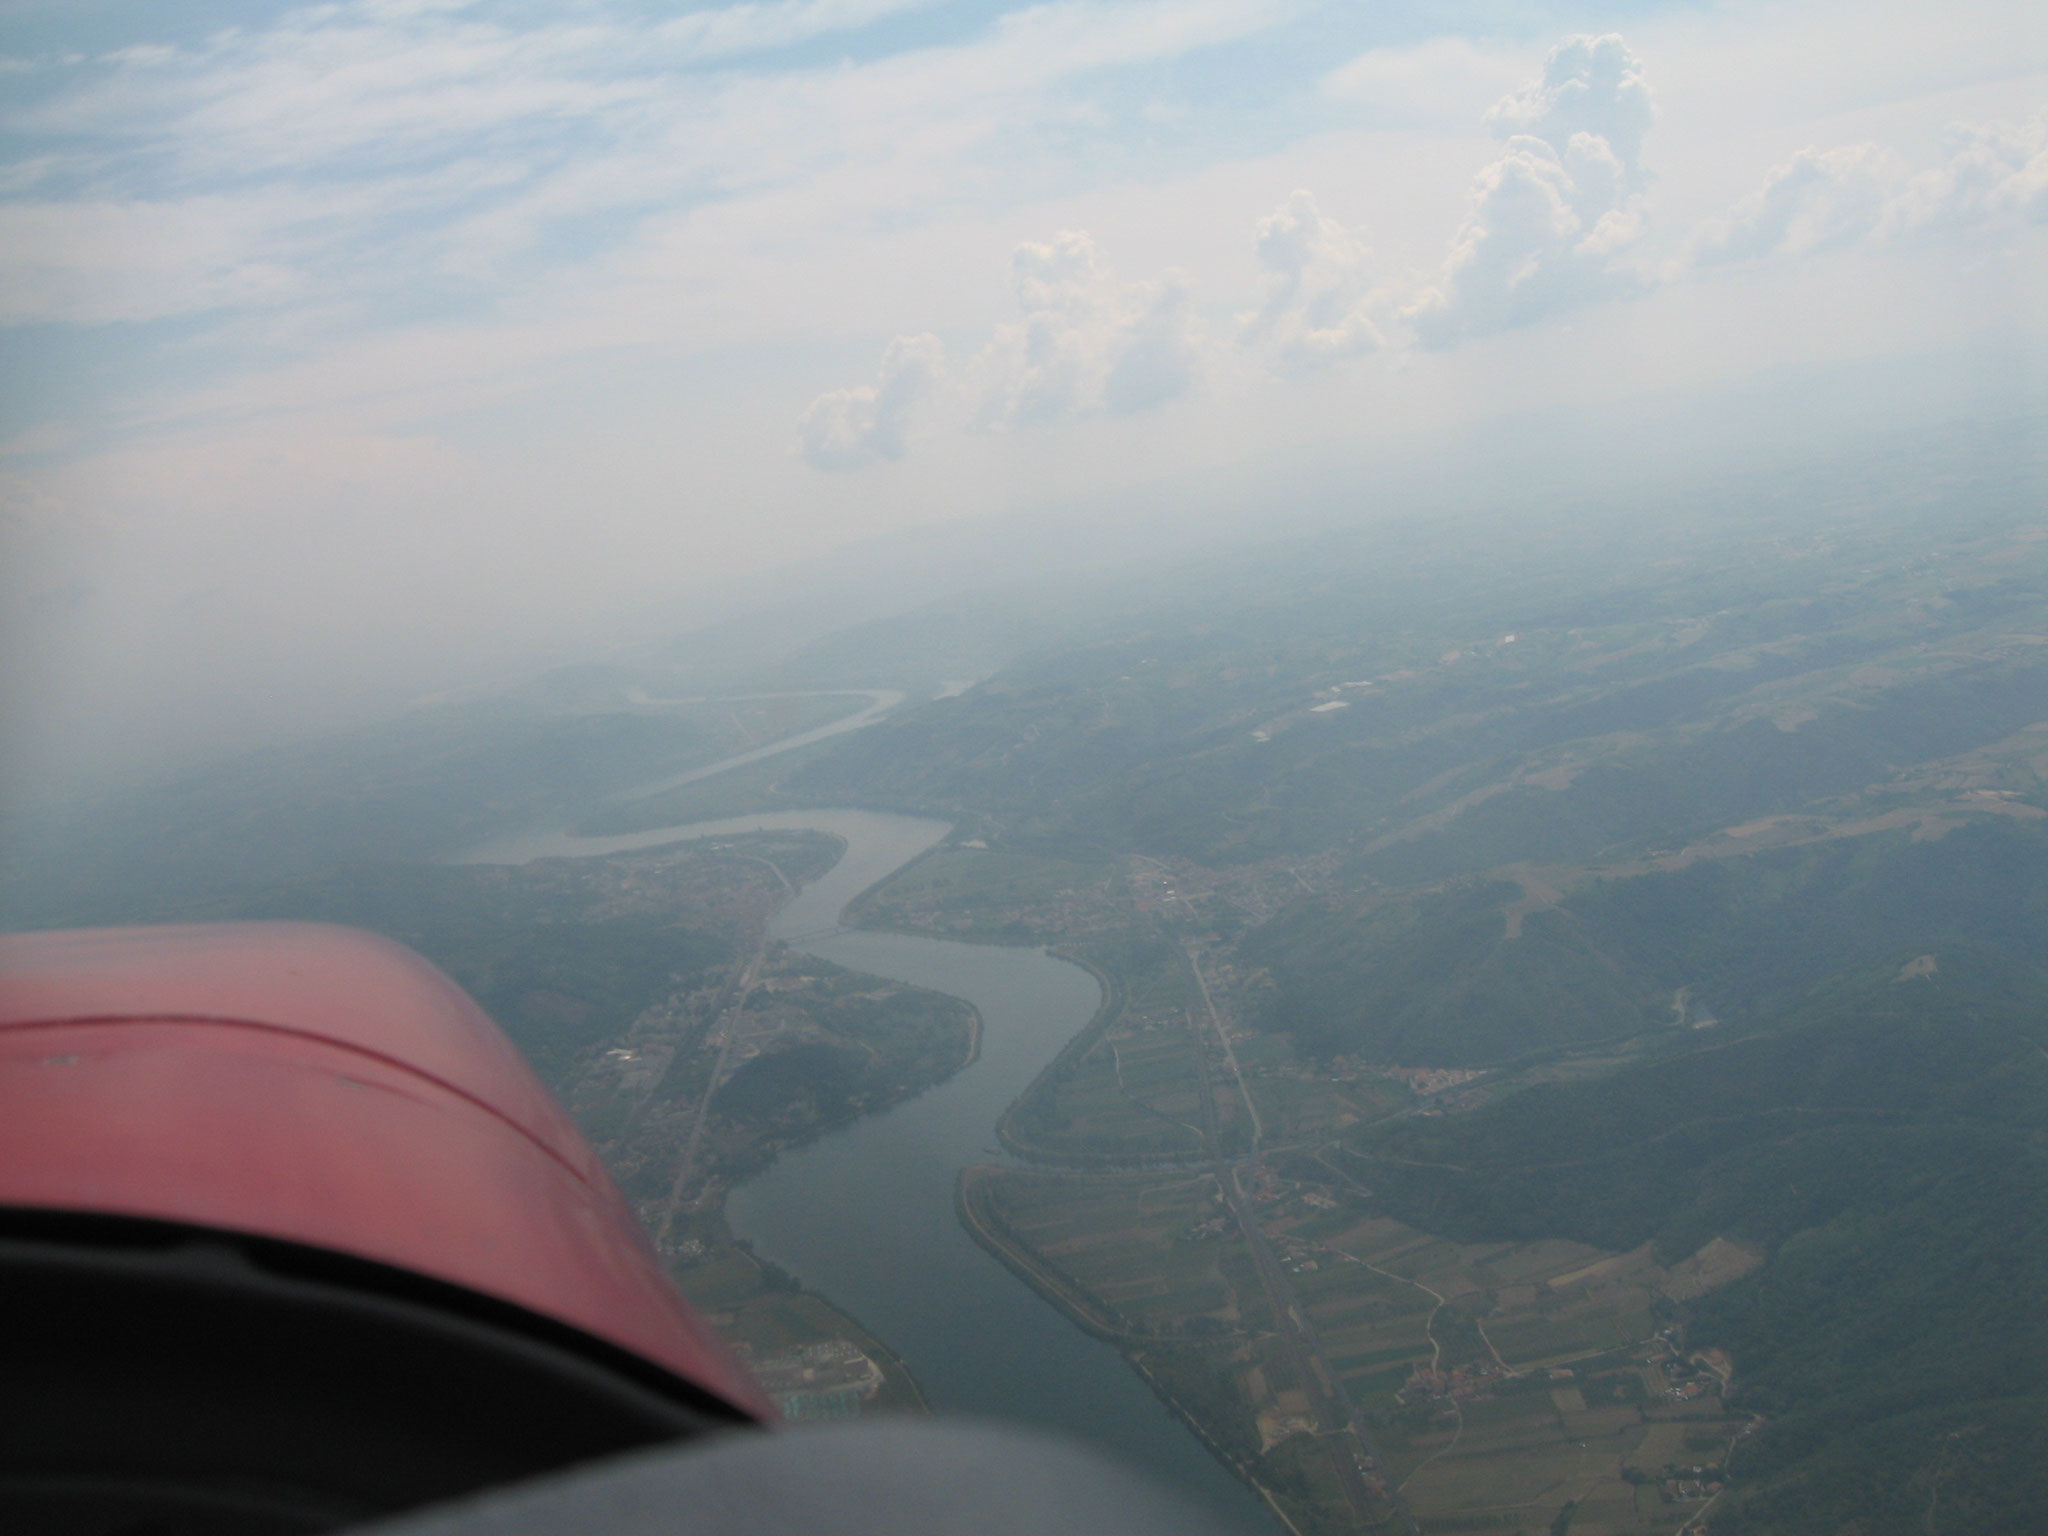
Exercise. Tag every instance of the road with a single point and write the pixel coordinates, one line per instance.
(1244, 1094)
(726, 1023)
(1339, 1426)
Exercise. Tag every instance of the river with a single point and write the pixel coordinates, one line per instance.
(865, 1214)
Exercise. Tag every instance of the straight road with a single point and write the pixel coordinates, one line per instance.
(1338, 1425)
(727, 1023)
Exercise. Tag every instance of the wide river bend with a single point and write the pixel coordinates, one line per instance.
(865, 1214)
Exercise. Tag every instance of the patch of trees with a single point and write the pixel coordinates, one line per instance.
(558, 982)
(813, 1076)
(1748, 934)
(1435, 981)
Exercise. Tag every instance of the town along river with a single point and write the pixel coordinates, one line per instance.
(865, 1214)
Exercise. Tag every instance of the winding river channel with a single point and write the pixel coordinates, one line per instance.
(865, 1214)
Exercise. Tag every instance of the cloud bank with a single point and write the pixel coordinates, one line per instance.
(1549, 226)
(1557, 221)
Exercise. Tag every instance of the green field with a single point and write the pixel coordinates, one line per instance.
(1574, 1398)
(1129, 1087)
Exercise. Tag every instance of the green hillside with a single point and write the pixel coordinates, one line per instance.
(1436, 979)
(1885, 1142)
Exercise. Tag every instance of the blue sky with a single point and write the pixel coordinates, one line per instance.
(358, 346)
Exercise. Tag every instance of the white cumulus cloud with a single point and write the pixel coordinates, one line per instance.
(1087, 344)
(1991, 170)
(849, 428)
(1551, 220)
(1829, 197)
(1819, 198)
(1317, 303)
(1592, 86)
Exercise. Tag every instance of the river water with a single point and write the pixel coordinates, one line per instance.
(865, 1215)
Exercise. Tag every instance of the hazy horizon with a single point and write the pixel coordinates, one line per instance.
(365, 351)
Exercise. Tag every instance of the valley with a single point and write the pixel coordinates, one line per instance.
(1570, 1038)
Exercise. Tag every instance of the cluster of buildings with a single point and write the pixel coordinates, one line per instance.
(1684, 1380)
(1182, 888)
(1689, 1485)
(1300, 1263)
(828, 1380)
(1460, 1384)
(1262, 1184)
(1429, 1081)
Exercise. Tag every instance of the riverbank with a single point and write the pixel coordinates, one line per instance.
(763, 1311)
(869, 1216)
(986, 1226)
(1008, 1130)
(864, 1214)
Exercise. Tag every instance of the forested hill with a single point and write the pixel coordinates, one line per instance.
(1458, 976)
(1884, 1141)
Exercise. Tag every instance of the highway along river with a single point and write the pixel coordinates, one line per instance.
(865, 1214)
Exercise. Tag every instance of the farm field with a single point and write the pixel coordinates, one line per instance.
(1129, 1088)
(1505, 1386)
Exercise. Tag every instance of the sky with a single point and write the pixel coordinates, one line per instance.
(358, 349)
